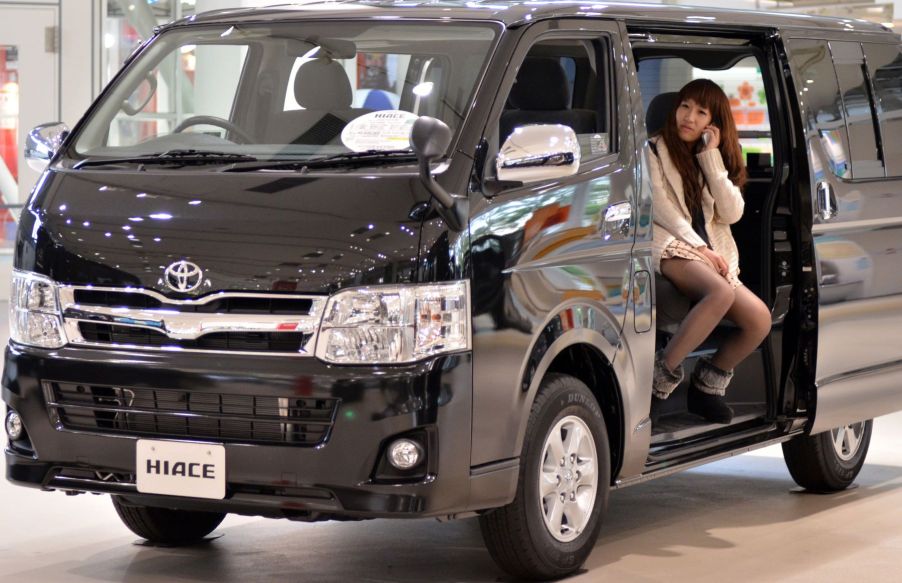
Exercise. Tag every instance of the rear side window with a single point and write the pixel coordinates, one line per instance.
(856, 99)
(884, 62)
(821, 100)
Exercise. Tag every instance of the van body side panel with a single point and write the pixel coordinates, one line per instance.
(636, 352)
(539, 261)
(539, 257)
(858, 258)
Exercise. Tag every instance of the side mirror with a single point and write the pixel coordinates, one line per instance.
(43, 142)
(429, 139)
(538, 152)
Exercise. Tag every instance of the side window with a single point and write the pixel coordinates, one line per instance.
(853, 85)
(821, 100)
(885, 69)
(564, 81)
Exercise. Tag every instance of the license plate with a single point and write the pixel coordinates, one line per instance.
(177, 468)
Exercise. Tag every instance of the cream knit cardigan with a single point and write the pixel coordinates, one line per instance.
(722, 205)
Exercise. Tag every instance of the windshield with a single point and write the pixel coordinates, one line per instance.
(287, 91)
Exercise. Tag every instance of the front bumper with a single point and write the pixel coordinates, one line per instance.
(331, 480)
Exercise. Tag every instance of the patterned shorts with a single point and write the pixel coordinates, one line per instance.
(682, 250)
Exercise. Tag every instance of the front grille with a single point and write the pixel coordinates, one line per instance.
(223, 322)
(302, 421)
(234, 341)
(225, 305)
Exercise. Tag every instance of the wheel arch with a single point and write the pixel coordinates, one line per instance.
(581, 339)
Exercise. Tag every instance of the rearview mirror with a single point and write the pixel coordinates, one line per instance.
(538, 152)
(43, 142)
(141, 96)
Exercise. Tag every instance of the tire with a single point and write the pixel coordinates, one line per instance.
(167, 526)
(527, 538)
(828, 461)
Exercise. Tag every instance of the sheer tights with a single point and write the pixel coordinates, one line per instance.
(715, 300)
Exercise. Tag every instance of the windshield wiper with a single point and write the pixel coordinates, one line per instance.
(349, 158)
(182, 157)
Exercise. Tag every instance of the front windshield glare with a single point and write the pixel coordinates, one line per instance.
(288, 91)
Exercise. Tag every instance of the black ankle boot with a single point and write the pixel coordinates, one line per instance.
(706, 392)
(657, 410)
(712, 407)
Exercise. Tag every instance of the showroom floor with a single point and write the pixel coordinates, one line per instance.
(735, 520)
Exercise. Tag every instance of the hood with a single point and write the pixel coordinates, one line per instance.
(251, 232)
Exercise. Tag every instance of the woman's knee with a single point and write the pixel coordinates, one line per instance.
(760, 322)
(720, 297)
(755, 319)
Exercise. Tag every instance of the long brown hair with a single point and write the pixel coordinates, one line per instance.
(710, 96)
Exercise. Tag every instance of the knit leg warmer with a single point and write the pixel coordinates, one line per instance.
(665, 380)
(711, 379)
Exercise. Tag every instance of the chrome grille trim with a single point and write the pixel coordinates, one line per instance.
(188, 325)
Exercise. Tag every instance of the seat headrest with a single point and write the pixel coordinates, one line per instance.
(658, 110)
(322, 84)
(541, 85)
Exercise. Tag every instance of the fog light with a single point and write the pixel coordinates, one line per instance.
(13, 426)
(405, 454)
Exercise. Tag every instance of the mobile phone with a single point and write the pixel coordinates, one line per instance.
(706, 137)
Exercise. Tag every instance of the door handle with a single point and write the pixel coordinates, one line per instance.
(826, 201)
(618, 221)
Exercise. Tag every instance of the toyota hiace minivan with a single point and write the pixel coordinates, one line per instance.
(357, 260)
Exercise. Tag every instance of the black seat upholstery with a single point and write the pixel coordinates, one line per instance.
(322, 88)
(658, 109)
(541, 95)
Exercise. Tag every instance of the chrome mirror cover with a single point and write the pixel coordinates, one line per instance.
(538, 152)
(43, 142)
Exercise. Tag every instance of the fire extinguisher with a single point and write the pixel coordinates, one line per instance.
(9, 125)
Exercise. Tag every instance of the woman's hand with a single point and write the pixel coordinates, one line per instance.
(713, 137)
(716, 259)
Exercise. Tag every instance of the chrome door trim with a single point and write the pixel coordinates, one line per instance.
(849, 226)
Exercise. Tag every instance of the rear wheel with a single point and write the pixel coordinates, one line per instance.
(828, 461)
(550, 528)
(167, 526)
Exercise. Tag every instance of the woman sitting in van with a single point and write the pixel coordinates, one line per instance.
(697, 175)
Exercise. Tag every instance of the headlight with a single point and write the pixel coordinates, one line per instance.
(395, 324)
(34, 313)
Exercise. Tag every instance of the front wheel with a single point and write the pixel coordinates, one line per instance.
(550, 528)
(828, 461)
(167, 526)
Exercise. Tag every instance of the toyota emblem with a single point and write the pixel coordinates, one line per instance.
(183, 276)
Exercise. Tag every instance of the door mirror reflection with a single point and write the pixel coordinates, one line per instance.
(43, 142)
(538, 152)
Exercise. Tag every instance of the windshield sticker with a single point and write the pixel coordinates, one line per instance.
(379, 130)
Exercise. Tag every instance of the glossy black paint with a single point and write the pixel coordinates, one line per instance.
(375, 404)
(314, 233)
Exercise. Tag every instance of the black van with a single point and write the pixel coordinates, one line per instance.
(356, 260)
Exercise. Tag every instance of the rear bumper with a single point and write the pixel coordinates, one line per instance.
(334, 479)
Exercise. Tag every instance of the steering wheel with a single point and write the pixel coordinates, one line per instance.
(214, 121)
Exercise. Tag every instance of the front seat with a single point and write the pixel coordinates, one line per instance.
(541, 95)
(322, 88)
